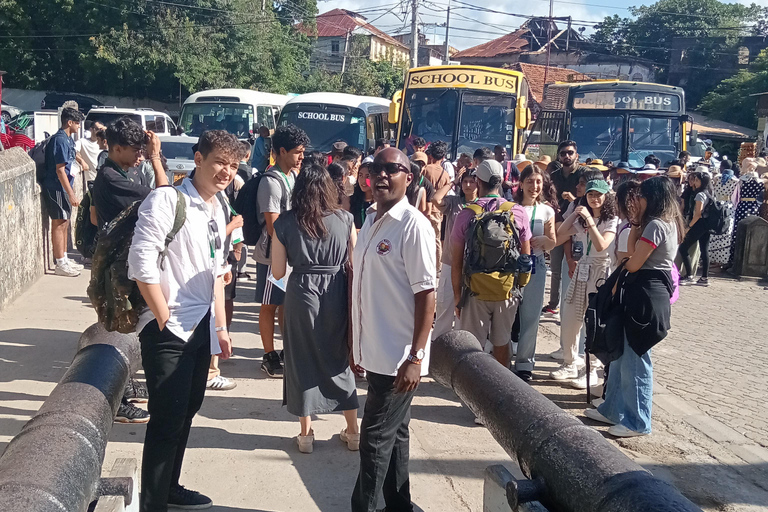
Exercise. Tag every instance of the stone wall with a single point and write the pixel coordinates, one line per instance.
(22, 259)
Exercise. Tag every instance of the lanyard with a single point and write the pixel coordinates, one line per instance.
(492, 195)
(287, 183)
(533, 217)
(589, 245)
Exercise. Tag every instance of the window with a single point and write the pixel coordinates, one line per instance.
(651, 135)
(264, 117)
(236, 118)
(335, 46)
(637, 77)
(598, 136)
(483, 121)
(155, 124)
(428, 113)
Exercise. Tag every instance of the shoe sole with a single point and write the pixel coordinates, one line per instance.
(191, 507)
(138, 400)
(604, 421)
(271, 375)
(351, 446)
(224, 388)
(561, 379)
(128, 420)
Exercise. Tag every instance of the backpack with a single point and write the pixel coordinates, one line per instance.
(85, 232)
(604, 322)
(247, 205)
(115, 297)
(37, 154)
(491, 266)
(716, 215)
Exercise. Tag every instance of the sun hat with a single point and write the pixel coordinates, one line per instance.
(598, 186)
(674, 172)
(488, 169)
(522, 165)
(598, 164)
(419, 156)
(623, 168)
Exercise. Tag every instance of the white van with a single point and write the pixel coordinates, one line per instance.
(328, 117)
(238, 111)
(152, 120)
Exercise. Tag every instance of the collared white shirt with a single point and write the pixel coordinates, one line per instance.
(394, 259)
(187, 281)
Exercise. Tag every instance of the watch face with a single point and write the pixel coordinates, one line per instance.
(420, 354)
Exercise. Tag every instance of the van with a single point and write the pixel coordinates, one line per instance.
(151, 120)
(328, 117)
(238, 111)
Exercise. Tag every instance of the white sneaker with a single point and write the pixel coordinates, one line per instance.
(565, 372)
(66, 270)
(220, 383)
(622, 431)
(581, 381)
(594, 414)
(597, 402)
(557, 355)
(75, 265)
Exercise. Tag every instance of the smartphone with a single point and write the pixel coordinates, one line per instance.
(577, 250)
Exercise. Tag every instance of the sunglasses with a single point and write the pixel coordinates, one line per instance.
(567, 153)
(389, 168)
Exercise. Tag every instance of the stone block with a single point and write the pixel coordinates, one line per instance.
(715, 430)
(751, 251)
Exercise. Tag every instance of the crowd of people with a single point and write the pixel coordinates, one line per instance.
(362, 260)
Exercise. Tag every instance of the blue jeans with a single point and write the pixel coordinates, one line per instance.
(529, 312)
(629, 391)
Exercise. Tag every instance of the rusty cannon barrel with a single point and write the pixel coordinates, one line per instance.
(572, 467)
(54, 463)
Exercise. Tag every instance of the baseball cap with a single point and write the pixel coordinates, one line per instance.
(487, 169)
(598, 186)
(419, 156)
(339, 146)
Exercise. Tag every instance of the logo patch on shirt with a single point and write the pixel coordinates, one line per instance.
(384, 247)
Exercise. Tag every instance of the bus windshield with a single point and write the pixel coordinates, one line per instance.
(656, 136)
(598, 136)
(483, 120)
(326, 125)
(235, 118)
(434, 113)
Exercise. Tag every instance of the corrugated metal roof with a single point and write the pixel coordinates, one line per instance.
(514, 42)
(338, 22)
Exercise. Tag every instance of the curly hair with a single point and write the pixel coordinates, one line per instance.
(221, 140)
(625, 194)
(548, 191)
(338, 172)
(607, 211)
(438, 149)
(314, 196)
(126, 132)
(289, 137)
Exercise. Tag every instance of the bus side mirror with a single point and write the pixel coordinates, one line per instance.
(394, 107)
(522, 117)
(693, 136)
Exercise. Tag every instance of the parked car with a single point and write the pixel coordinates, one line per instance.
(181, 159)
(9, 112)
(54, 101)
(152, 120)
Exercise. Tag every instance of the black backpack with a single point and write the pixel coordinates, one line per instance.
(716, 215)
(85, 232)
(247, 205)
(38, 155)
(604, 322)
(115, 297)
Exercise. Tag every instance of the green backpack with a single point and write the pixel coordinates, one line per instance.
(115, 297)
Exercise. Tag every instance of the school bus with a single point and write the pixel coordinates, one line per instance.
(466, 106)
(612, 120)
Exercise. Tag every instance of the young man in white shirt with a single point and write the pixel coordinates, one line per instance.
(274, 197)
(88, 150)
(185, 321)
(393, 306)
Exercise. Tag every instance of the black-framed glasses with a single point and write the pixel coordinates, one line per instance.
(389, 168)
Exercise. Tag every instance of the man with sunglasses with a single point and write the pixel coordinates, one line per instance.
(185, 321)
(565, 173)
(393, 305)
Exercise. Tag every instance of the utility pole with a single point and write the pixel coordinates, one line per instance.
(549, 41)
(568, 35)
(346, 49)
(414, 33)
(447, 57)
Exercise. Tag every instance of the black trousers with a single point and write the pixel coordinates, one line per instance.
(699, 232)
(384, 445)
(176, 374)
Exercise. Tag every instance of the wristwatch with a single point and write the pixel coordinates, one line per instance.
(221, 329)
(417, 357)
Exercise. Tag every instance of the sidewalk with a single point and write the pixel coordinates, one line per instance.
(241, 450)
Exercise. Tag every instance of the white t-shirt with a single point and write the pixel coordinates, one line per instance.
(450, 169)
(539, 215)
(89, 151)
(581, 234)
(622, 240)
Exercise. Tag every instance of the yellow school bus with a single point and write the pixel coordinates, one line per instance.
(466, 106)
(612, 120)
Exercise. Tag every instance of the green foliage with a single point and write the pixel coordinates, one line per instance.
(731, 100)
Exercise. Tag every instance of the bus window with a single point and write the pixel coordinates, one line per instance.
(430, 114)
(325, 125)
(235, 118)
(378, 127)
(264, 117)
(548, 131)
(652, 135)
(598, 136)
(483, 121)
(155, 124)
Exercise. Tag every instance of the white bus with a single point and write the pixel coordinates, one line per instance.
(328, 117)
(238, 111)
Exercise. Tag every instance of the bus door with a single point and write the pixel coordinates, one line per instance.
(549, 130)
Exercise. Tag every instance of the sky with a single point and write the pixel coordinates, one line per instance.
(470, 25)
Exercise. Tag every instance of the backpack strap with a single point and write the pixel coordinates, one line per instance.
(476, 208)
(179, 219)
(506, 206)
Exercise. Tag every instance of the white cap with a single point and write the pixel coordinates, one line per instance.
(488, 169)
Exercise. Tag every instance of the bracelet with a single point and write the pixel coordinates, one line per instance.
(221, 329)
(157, 157)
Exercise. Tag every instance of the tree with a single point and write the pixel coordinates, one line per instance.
(731, 100)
